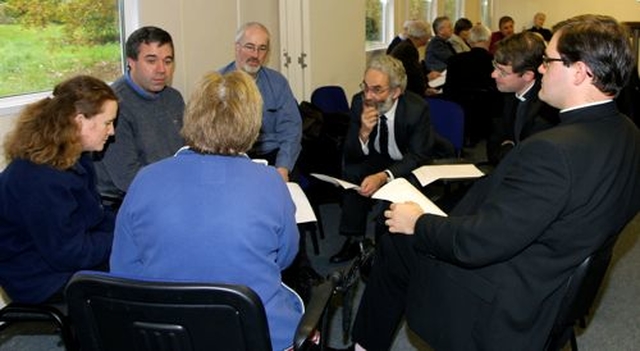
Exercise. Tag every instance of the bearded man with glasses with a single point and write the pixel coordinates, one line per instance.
(389, 136)
(281, 132)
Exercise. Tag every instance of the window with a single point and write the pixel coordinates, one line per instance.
(454, 9)
(378, 23)
(45, 41)
(485, 12)
(423, 9)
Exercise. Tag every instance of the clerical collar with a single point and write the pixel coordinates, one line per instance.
(138, 89)
(523, 96)
(586, 105)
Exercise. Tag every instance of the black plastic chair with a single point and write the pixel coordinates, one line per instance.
(29, 313)
(580, 292)
(113, 313)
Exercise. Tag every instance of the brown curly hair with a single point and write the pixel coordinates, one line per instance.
(46, 132)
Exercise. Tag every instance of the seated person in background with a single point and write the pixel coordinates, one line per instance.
(516, 63)
(538, 26)
(389, 136)
(52, 223)
(150, 115)
(469, 83)
(439, 50)
(459, 39)
(195, 228)
(418, 34)
(281, 133)
(490, 276)
(506, 29)
(400, 37)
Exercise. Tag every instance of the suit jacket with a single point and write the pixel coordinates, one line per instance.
(412, 128)
(490, 274)
(408, 54)
(438, 53)
(534, 117)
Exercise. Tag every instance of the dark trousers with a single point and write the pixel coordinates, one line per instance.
(384, 300)
(355, 207)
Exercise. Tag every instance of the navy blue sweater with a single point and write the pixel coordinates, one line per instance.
(51, 225)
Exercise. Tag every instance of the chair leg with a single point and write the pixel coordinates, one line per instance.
(574, 342)
(316, 210)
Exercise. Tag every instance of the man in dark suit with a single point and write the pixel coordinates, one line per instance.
(469, 83)
(516, 65)
(538, 26)
(439, 50)
(489, 276)
(389, 136)
(418, 34)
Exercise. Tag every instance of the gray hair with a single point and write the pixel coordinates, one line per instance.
(479, 33)
(392, 67)
(243, 28)
(418, 29)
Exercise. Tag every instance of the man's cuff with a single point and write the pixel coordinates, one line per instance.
(390, 176)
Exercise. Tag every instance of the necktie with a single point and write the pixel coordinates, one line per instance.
(384, 136)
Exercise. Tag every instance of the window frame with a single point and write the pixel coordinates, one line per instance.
(388, 8)
(12, 105)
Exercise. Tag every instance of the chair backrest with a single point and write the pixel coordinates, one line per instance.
(330, 99)
(112, 313)
(447, 118)
(580, 292)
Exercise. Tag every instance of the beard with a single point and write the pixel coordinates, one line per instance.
(251, 69)
(385, 105)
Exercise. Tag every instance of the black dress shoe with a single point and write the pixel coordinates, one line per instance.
(350, 249)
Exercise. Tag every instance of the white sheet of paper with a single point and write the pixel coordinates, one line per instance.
(304, 211)
(336, 181)
(400, 190)
(438, 82)
(430, 173)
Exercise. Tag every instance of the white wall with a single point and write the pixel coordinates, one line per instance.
(522, 11)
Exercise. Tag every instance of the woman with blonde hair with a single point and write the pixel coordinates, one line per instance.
(210, 214)
(51, 221)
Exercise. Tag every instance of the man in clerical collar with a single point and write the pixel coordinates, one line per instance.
(516, 63)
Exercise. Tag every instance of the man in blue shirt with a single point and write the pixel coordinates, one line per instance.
(281, 132)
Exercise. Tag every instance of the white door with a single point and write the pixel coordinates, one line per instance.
(322, 42)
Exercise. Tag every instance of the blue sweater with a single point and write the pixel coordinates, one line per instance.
(217, 219)
(51, 225)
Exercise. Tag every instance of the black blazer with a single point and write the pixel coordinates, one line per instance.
(538, 116)
(408, 54)
(490, 274)
(412, 128)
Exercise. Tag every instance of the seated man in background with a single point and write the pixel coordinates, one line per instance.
(439, 50)
(506, 27)
(52, 223)
(400, 37)
(538, 26)
(281, 133)
(196, 229)
(389, 136)
(418, 34)
(460, 38)
(469, 83)
(516, 63)
(150, 114)
(490, 275)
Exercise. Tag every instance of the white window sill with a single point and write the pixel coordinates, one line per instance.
(11, 106)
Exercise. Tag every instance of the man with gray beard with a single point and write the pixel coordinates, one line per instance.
(389, 136)
(281, 132)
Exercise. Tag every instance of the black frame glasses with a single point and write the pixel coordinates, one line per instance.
(546, 60)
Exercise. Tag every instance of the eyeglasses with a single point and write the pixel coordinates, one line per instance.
(546, 60)
(501, 71)
(376, 90)
(253, 48)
